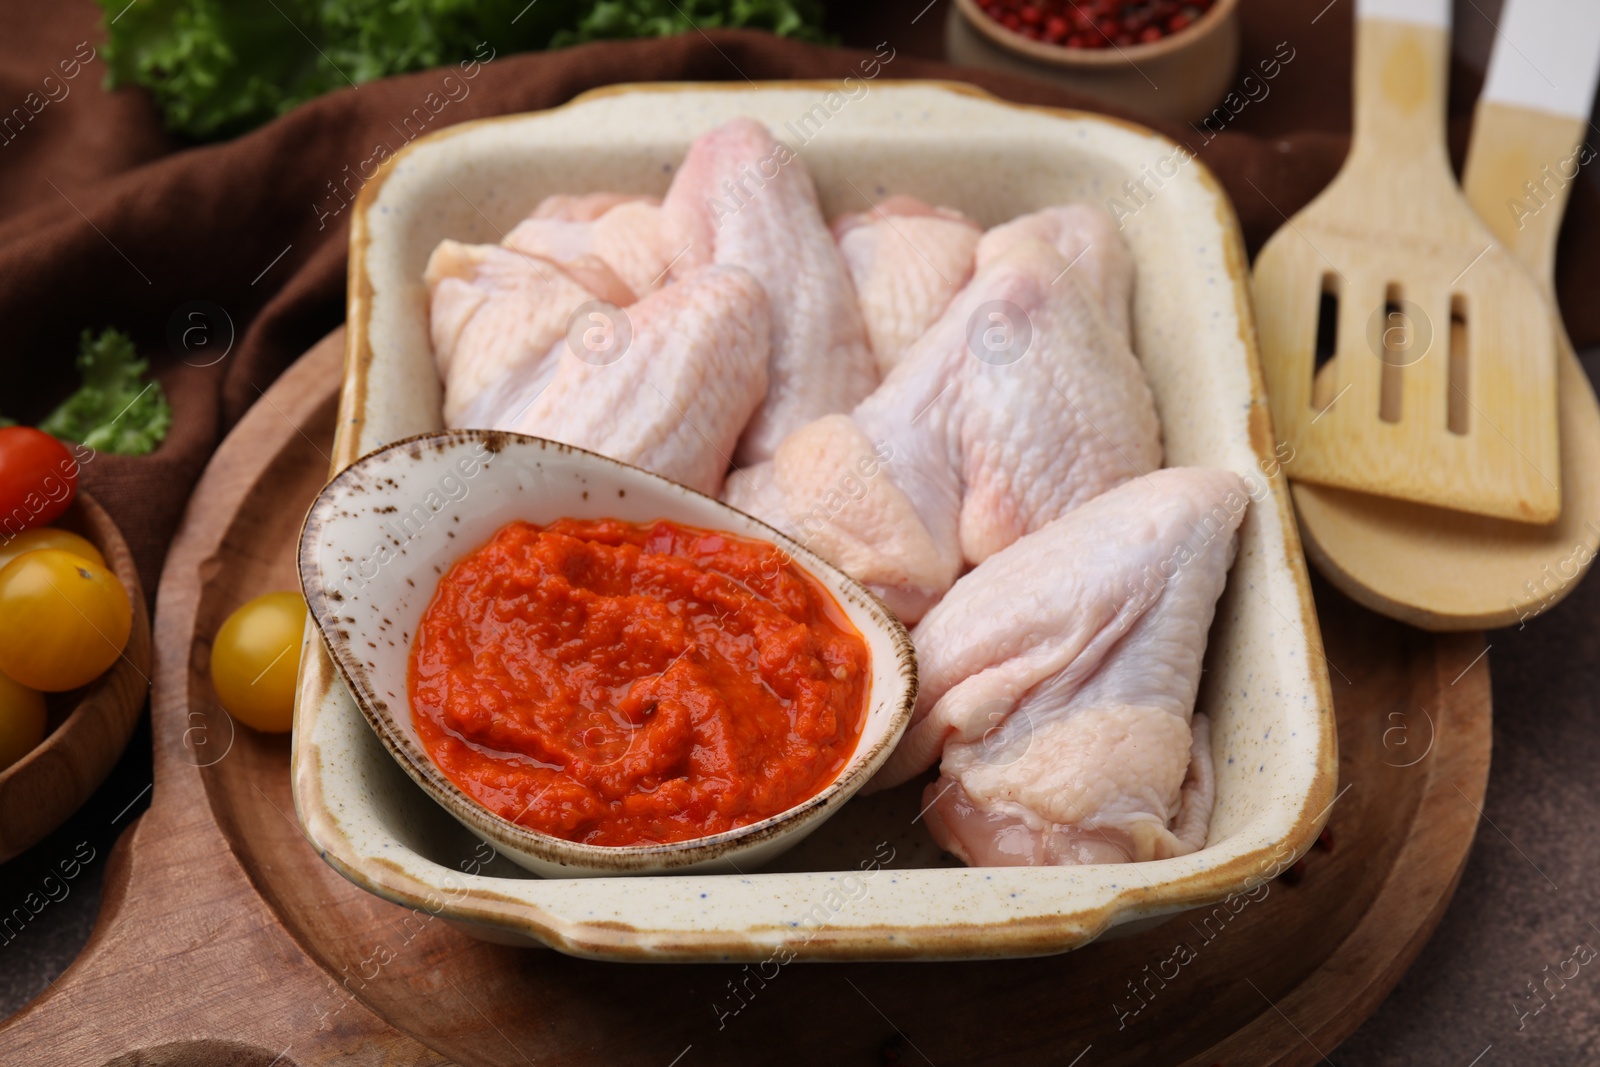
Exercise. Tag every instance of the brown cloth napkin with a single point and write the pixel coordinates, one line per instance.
(106, 220)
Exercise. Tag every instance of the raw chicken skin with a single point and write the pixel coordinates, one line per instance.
(584, 207)
(907, 260)
(601, 231)
(981, 450)
(1035, 437)
(1059, 679)
(742, 198)
(675, 400)
(494, 315)
(1076, 231)
(827, 488)
(630, 239)
(504, 308)
(897, 206)
(557, 239)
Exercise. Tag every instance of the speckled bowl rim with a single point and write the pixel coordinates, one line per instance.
(619, 859)
(483, 905)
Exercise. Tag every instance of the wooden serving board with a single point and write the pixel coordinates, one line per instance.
(224, 938)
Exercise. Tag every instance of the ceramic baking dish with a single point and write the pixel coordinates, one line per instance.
(869, 884)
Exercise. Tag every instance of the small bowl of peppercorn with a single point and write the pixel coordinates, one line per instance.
(1169, 59)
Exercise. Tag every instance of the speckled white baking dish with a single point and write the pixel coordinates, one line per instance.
(869, 884)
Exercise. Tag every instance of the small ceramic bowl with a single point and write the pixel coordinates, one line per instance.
(88, 727)
(1180, 77)
(382, 533)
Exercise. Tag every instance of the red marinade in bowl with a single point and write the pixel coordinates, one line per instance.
(622, 684)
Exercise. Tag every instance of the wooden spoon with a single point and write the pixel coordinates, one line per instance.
(1377, 267)
(1443, 570)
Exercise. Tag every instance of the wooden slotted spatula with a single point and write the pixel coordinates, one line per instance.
(1443, 570)
(1390, 274)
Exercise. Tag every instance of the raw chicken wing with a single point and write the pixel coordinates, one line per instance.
(494, 315)
(1020, 403)
(907, 260)
(584, 207)
(618, 234)
(496, 312)
(1076, 231)
(1058, 681)
(674, 400)
(742, 198)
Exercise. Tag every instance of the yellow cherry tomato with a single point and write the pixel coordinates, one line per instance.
(49, 537)
(63, 620)
(21, 721)
(255, 659)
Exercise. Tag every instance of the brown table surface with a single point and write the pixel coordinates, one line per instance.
(1530, 895)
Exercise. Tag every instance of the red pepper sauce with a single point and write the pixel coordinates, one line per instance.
(619, 684)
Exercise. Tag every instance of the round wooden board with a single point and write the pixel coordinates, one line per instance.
(223, 936)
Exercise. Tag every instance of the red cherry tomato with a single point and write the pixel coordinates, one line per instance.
(38, 478)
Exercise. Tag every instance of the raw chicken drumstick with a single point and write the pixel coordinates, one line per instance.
(1020, 403)
(744, 199)
(907, 260)
(1058, 681)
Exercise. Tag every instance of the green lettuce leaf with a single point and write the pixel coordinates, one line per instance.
(617, 19)
(116, 410)
(220, 67)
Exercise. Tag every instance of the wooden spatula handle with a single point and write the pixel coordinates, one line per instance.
(1422, 12)
(1520, 190)
(1401, 77)
(1527, 136)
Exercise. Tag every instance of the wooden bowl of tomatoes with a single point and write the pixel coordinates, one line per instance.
(1170, 59)
(74, 640)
